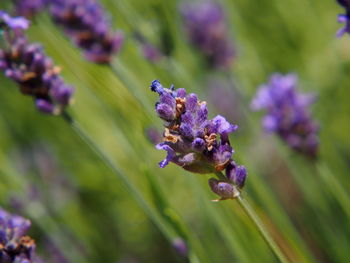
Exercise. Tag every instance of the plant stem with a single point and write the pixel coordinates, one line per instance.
(261, 228)
(153, 215)
(334, 186)
(128, 79)
(257, 222)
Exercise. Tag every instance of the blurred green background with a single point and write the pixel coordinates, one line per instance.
(82, 212)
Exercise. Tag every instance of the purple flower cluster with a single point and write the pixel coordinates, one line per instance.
(87, 25)
(191, 140)
(15, 247)
(287, 113)
(207, 30)
(29, 8)
(344, 18)
(32, 70)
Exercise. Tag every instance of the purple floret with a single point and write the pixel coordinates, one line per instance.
(344, 18)
(287, 113)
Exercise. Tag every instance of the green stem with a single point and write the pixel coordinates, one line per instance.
(151, 213)
(334, 186)
(130, 80)
(261, 228)
(167, 231)
(257, 222)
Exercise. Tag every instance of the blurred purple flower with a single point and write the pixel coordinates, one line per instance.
(29, 8)
(191, 140)
(344, 18)
(151, 53)
(56, 254)
(86, 23)
(34, 72)
(180, 247)
(13, 22)
(287, 113)
(225, 98)
(15, 247)
(49, 186)
(153, 135)
(206, 29)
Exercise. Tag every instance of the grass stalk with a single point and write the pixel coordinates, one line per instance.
(334, 186)
(244, 204)
(151, 213)
(249, 211)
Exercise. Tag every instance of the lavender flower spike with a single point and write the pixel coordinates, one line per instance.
(206, 29)
(34, 72)
(344, 18)
(86, 23)
(287, 113)
(15, 247)
(191, 140)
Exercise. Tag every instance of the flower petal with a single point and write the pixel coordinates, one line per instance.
(170, 154)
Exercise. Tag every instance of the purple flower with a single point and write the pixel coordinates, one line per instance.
(206, 29)
(191, 140)
(34, 72)
(153, 135)
(287, 113)
(151, 53)
(86, 23)
(180, 247)
(236, 174)
(29, 8)
(15, 247)
(344, 18)
(13, 22)
(224, 97)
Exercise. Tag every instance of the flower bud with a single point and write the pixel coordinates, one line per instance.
(223, 189)
(236, 174)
